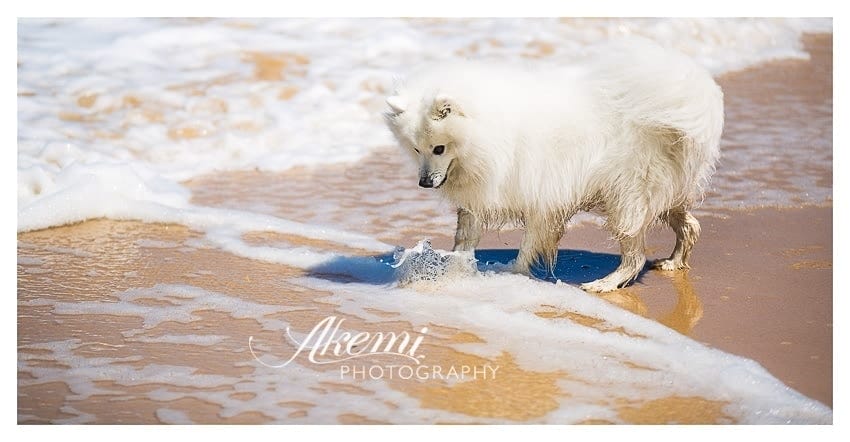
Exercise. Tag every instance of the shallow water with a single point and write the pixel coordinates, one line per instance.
(259, 146)
(147, 323)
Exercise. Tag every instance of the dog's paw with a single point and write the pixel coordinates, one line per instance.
(520, 269)
(669, 265)
(599, 286)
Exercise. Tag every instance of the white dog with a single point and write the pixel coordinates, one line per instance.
(631, 133)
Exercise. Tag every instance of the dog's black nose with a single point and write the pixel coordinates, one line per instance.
(426, 182)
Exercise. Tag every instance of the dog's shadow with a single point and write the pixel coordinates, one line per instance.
(572, 267)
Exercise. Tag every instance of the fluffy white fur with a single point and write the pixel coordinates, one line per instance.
(631, 132)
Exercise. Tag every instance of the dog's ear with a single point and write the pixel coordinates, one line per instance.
(397, 103)
(443, 106)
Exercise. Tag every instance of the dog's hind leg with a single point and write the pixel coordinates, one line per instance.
(468, 232)
(539, 245)
(633, 260)
(687, 232)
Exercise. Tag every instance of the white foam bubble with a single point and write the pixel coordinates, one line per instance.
(175, 417)
(156, 244)
(183, 300)
(422, 265)
(190, 339)
(30, 261)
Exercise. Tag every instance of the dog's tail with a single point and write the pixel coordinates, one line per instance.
(668, 93)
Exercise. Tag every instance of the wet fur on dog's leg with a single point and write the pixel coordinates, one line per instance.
(687, 231)
(539, 245)
(468, 232)
(633, 260)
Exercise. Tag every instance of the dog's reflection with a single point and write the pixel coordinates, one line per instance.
(684, 315)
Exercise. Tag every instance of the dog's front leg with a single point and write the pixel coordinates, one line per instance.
(468, 232)
(539, 245)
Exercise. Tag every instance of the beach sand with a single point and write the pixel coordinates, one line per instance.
(760, 287)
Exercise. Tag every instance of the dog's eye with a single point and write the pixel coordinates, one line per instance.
(417, 150)
(438, 150)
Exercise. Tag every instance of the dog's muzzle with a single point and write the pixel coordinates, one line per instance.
(432, 181)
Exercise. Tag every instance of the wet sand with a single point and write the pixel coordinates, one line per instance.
(760, 287)
(96, 260)
(766, 296)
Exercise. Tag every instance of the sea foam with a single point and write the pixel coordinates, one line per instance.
(116, 113)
